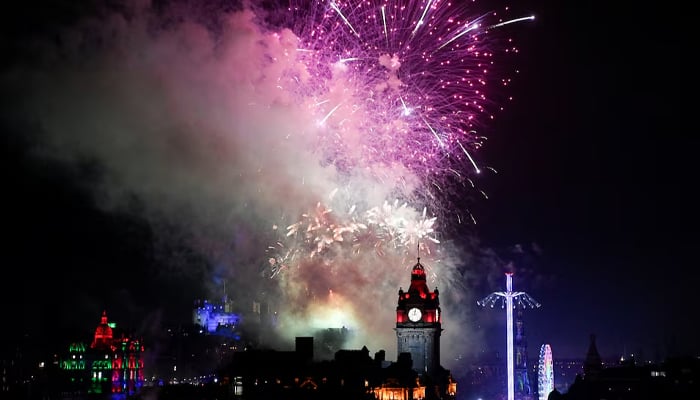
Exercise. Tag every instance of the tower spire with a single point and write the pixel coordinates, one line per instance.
(418, 324)
(510, 300)
(593, 363)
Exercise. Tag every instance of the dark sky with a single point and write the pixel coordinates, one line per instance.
(594, 183)
(596, 168)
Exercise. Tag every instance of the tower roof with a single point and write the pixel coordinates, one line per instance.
(418, 291)
(418, 281)
(593, 362)
(103, 333)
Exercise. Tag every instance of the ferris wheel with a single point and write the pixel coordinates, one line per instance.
(545, 372)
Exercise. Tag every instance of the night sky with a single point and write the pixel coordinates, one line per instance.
(592, 206)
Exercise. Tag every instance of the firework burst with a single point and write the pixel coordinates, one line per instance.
(348, 125)
(397, 91)
(398, 86)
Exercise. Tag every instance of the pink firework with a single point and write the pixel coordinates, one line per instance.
(399, 89)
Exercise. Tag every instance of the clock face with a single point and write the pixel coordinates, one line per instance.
(414, 314)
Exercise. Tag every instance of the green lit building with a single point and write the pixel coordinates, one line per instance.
(107, 365)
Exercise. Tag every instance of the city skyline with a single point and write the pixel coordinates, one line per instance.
(589, 208)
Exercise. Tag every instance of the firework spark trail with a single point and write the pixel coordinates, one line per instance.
(399, 90)
(414, 93)
(345, 126)
(398, 84)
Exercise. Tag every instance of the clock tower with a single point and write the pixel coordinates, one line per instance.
(418, 323)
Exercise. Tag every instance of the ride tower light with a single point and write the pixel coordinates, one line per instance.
(509, 300)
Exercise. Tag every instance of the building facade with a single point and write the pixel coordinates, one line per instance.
(216, 316)
(108, 365)
(418, 330)
(418, 324)
(354, 374)
(523, 389)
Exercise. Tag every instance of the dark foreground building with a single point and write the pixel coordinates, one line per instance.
(354, 374)
(674, 379)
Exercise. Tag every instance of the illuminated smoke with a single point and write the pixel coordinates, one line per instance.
(312, 156)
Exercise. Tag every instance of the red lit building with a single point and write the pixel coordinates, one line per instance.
(353, 374)
(418, 330)
(418, 323)
(107, 365)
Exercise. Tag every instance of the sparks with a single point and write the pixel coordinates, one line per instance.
(400, 90)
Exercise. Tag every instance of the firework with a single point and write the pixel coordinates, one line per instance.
(398, 91)
(349, 126)
(398, 85)
(386, 228)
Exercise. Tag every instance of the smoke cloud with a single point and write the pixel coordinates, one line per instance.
(191, 117)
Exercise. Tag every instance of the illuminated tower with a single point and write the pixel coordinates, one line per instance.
(509, 300)
(418, 324)
(522, 382)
